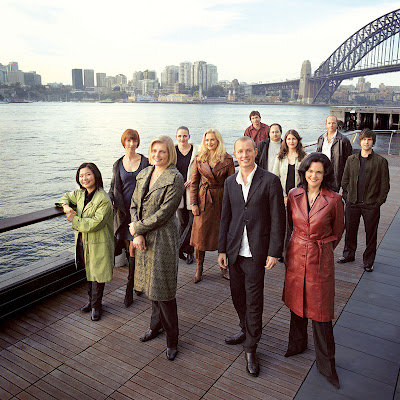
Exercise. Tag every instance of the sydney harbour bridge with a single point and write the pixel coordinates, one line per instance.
(374, 49)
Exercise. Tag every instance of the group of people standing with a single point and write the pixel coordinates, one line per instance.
(184, 200)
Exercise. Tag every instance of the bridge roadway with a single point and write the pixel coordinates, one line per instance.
(52, 351)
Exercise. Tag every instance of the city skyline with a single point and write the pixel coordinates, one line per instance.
(226, 33)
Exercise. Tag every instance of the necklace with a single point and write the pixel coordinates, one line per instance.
(311, 200)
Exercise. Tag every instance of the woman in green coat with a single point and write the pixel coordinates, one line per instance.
(159, 189)
(94, 234)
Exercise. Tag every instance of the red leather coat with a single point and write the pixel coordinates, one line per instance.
(309, 289)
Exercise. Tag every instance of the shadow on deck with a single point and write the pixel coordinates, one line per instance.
(52, 351)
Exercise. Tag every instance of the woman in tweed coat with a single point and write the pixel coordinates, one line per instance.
(159, 189)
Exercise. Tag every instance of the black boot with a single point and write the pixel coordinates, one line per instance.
(129, 286)
(97, 296)
(88, 306)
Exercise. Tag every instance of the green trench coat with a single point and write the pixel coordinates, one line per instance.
(153, 216)
(96, 224)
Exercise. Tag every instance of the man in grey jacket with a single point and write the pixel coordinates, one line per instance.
(336, 147)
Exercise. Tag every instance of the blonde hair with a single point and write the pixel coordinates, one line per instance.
(164, 139)
(220, 151)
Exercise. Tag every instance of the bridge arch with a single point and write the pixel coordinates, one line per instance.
(353, 50)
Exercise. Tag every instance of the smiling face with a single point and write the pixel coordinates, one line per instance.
(87, 179)
(211, 141)
(182, 136)
(315, 175)
(245, 153)
(291, 141)
(366, 144)
(159, 154)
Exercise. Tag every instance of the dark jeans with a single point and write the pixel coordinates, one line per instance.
(184, 219)
(371, 215)
(165, 315)
(247, 289)
(324, 342)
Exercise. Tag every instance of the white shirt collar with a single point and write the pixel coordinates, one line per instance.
(239, 178)
(333, 137)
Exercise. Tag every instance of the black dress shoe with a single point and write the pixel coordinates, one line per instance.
(343, 260)
(189, 259)
(236, 339)
(281, 259)
(149, 335)
(182, 256)
(171, 353)
(253, 368)
(96, 314)
(138, 293)
(87, 307)
(369, 269)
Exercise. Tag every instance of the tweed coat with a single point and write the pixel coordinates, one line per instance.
(207, 191)
(310, 274)
(96, 225)
(153, 216)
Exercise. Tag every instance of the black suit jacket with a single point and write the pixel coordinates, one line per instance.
(263, 214)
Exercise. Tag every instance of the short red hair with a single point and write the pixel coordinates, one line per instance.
(130, 134)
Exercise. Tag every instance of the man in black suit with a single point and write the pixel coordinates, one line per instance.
(267, 149)
(251, 237)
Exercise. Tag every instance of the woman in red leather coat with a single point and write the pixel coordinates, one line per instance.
(316, 216)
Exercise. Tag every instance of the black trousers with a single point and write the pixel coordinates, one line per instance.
(247, 290)
(371, 215)
(324, 342)
(165, 315)
(183, 215)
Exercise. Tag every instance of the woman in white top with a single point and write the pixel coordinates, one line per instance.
(186, 153)
(288, 160)
(287, 165)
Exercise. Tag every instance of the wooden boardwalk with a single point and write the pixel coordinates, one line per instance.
(53, 351)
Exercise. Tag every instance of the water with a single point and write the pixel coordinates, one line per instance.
(42, 144)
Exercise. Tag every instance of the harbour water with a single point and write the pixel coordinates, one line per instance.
(42, 144)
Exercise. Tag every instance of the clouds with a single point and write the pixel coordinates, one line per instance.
(249, 40)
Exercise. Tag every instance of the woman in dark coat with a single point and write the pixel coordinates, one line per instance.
(316, 216)
(154, 226)
(211, 167)
(123, 183)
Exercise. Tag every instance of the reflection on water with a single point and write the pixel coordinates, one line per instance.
(42, 144)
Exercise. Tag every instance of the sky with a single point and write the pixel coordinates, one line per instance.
(250, 40)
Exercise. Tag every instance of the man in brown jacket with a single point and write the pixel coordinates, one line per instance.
(365, 187)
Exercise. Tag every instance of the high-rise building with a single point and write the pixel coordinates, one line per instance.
(77, 80)
(212, 75)
(170, 75)
(100, 77)
(12, 66)
(16, 77)
(185, 69)
(199, 75)
(121, 80)
(88, 75)
(3, 74)
(149, 75)
(32, 78)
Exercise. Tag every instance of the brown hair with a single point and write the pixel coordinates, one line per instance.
(285, 150)
(367, 133)
(254, 113)
(130, 134)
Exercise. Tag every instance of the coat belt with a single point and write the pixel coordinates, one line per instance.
(319, 242)
(207, 193)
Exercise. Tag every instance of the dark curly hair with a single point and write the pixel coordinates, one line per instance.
(96, 172)
(327, 181)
